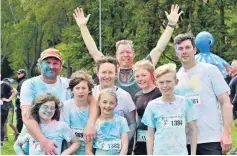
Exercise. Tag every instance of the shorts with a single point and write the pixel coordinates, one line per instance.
(211, 148)
(10, 116)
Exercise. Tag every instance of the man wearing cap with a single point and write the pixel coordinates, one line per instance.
(50, 64)
(21, 77)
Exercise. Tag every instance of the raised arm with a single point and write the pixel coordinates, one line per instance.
(173, 18)
(89, 41)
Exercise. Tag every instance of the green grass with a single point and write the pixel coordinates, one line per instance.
(8, 145)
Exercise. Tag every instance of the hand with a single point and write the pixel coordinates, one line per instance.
(80, 17)
(226, 143)
(89, 132)
(6, 100)
(49, 146)
(173, 17)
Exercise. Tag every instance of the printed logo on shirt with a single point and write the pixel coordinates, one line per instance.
(79, 132)
(195, 99)
(35, 147)
(108, 145)
(172, 121)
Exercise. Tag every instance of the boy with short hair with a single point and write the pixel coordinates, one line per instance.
(168, 116)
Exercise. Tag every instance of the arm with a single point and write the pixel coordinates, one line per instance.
(89, 131)
(89, 148)
(73, 147)
(173, 18)
(33, 128)
(226, 141)
(89, 41)
(131, 119)
(193, 131)
(13, 94)
(124, 139)
(150, 140)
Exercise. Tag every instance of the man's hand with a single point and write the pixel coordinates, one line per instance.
(80, 17)
(173, 17)
(89, 132)
(226, 142)
(48, 146)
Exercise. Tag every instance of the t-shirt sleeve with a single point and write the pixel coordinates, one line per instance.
(65, 113)
(129, 103)
(67, 132)
(27, 93)
(218, 82)
(124, 126)
(192, 113)
(147, 118)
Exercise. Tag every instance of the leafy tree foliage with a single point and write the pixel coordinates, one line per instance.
(30, 26)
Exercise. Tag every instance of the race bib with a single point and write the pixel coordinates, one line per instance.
(108, 145)
(195, 99)
(79, 133)
(141, 135)
(172, 121)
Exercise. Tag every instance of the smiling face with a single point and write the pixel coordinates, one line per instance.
(107, 75)
(50, 67)
(46, 111)
(166, 83)
(81, 91)
(185, 52)
(125, 56)
(143, 78)
(107, 104)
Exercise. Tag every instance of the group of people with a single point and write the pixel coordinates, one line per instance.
(135, 109)
(7, 108)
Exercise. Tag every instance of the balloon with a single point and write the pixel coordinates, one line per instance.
(204, 42)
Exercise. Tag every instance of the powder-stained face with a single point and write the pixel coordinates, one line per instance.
(125, 56)
(46, 111)
(143, 78)
(107, 104)
(50, 67)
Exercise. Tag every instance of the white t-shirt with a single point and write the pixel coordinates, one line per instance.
(202, 84)
(33, 87)
(125, 102)
(169, 119)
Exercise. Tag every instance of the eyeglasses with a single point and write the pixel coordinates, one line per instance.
(47, 108)
(18, 73)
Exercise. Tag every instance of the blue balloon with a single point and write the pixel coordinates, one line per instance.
(204, 42)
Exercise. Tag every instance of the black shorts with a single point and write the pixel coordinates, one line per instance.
(140, 148)
(211, 148)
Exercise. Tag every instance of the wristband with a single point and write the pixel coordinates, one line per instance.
(171, 25)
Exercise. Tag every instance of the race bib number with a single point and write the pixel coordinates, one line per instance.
(195, 99)
(141, 135)
(171, 121)
(79, 133)
(108, 145)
